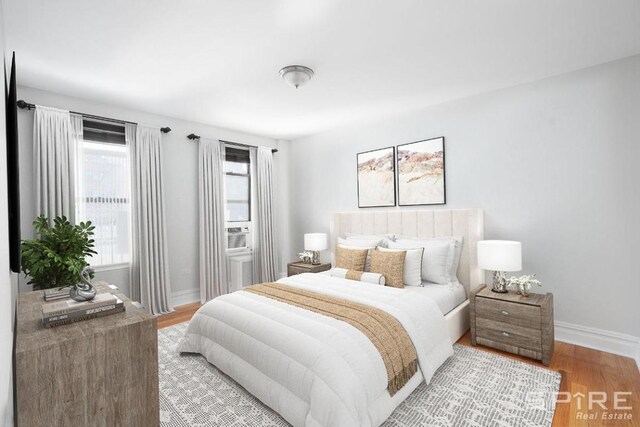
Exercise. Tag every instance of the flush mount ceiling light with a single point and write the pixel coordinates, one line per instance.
(296, 75)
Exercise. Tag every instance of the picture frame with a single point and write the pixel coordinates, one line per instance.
(421, 171)
(376, 174)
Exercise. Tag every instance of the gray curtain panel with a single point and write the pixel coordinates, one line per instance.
(55, 140)
(149, 265)
(213, 244)
(265, 258)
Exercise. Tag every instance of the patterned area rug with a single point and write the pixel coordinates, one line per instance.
(473, 388)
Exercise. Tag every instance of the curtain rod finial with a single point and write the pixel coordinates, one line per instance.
(165, 129)
(193, 136)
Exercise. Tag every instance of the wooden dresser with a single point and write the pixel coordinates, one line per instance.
(98, 372)
(294, 268)
(513, 323)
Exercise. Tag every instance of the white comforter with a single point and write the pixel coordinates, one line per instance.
(312, 369)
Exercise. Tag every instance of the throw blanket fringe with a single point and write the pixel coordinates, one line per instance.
(383, 330)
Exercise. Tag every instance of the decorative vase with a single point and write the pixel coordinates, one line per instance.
(524, 288)
(499, 282)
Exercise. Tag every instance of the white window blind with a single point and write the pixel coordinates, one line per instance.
(102, 197)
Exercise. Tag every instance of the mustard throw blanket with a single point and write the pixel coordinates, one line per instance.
(383, 330)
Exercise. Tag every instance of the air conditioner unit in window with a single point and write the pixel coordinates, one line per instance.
(239, 237)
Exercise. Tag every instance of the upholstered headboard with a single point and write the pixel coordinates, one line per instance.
(468, 223)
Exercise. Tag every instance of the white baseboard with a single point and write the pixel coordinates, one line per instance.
(599, 339)
(185, 297)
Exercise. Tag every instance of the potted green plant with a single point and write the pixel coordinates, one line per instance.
(57, 258)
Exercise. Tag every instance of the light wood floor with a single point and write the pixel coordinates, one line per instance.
(583, 370)
(181, 314)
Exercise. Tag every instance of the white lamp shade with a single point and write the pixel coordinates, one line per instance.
(500, 255)
(315, 241)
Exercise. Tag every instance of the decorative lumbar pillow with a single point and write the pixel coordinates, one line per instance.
(351, 259)
(390, 265)
(440, 259)
(361, 276)
(412, 275)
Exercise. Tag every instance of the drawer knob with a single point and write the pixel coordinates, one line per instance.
(505, 334)
(505, 312)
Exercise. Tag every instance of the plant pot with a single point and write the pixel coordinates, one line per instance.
(524, 290)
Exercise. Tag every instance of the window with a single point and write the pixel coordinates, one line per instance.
(237, 185)
(102, 197)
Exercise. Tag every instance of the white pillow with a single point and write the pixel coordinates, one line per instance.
(363, 241)
(383, 237)
(459, 240)
(412, 274)
(374, 278)
(440, 259)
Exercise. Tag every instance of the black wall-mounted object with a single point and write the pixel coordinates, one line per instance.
(13, 167)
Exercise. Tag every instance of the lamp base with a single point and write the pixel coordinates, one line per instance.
(315, 258)
(499, 282)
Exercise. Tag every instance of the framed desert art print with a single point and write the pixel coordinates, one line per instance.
(376, 178)
(421, 179)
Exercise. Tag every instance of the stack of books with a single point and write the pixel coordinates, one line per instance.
(57, 293)
(69, 311)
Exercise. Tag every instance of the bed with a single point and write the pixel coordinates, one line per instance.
(468, 223)
(315, 370)
(447, 297)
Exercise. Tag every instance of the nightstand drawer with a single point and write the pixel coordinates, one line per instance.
(512, 313)
(506, 333)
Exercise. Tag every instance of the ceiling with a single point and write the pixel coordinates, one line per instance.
(217, 62)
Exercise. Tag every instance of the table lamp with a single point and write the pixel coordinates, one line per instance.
(500, 256)
(315, 242)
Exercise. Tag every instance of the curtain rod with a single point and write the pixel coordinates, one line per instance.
(193, 137)
(26, 105)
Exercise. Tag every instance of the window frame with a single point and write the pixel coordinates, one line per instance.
(248, 176)
(107, 143)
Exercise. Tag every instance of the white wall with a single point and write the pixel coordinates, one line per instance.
(554, 164)
(8, 283)
(180, 172)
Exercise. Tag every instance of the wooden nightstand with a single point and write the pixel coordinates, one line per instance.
(513, 323)
(294, 268)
